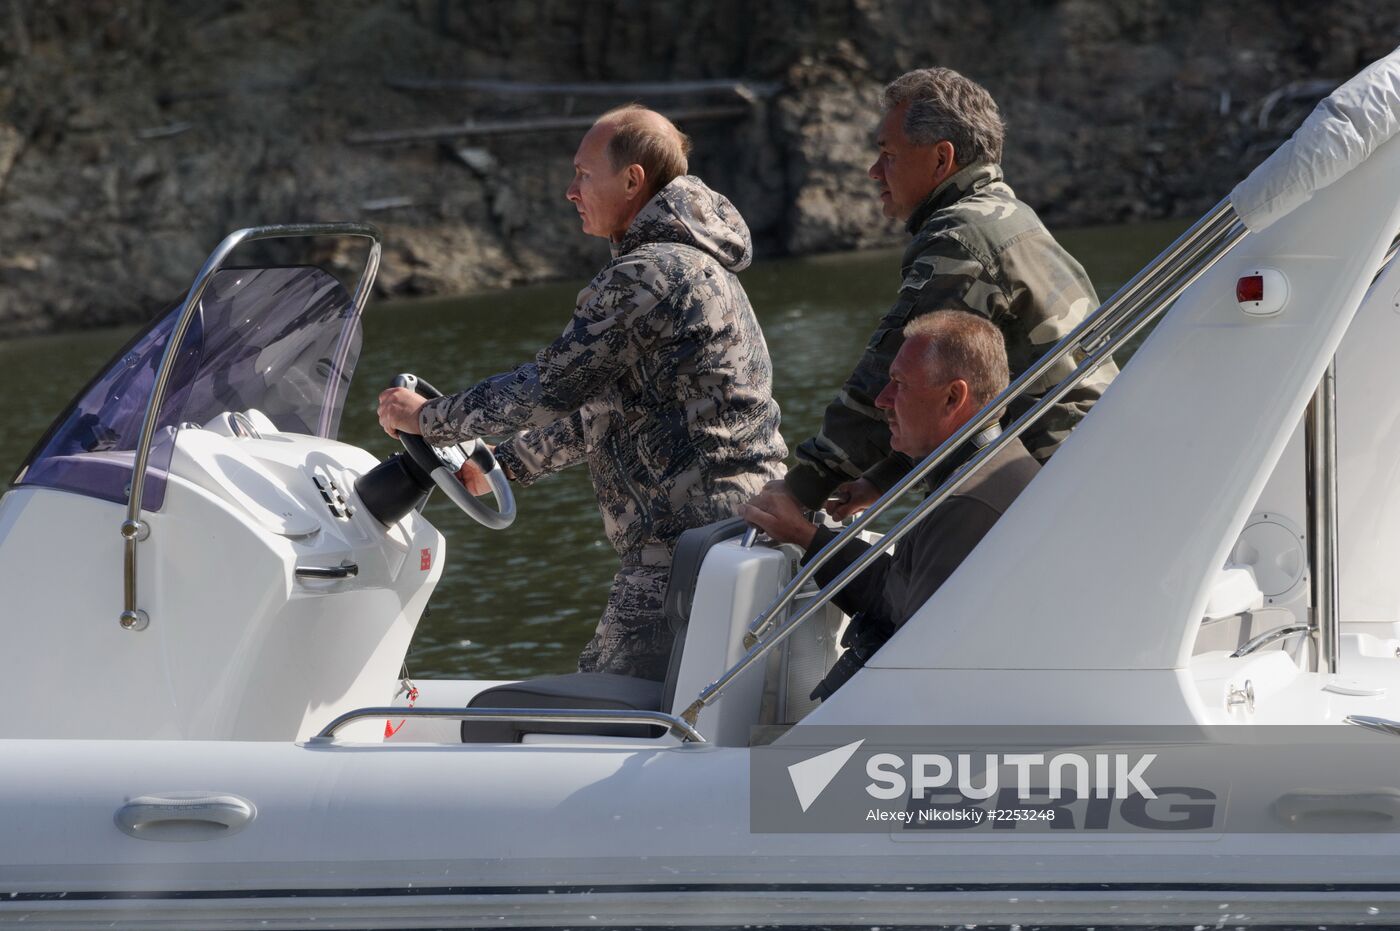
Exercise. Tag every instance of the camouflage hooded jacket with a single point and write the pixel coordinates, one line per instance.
(976, 248)
(661, 382)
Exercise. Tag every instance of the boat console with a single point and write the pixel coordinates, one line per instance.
(269, 598)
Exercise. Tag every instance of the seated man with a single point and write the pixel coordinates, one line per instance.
(952, 364)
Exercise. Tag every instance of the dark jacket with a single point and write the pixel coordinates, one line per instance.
(979, 249)
(883, 597)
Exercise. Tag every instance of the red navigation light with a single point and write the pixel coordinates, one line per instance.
(1249, 288)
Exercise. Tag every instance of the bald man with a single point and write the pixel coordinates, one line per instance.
(661, 381)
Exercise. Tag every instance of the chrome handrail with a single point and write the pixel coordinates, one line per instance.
(673, 724)
(1161, 273)
(133, 529)
(1389, 257)
(1178, 267)
(347, 334)
(1268, 637)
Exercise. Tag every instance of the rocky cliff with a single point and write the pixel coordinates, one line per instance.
(135, 133)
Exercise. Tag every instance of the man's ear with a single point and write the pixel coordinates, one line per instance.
(957, 395)
(945, 162)
(635, 181)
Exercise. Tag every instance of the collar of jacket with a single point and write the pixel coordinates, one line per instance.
(966, 181)
(643, 226)
(963, 453)
(687, 212)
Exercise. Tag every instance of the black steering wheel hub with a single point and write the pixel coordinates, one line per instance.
(407, 477)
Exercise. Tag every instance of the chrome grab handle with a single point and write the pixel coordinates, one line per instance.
(673, 724)
(343, 571)
(133, 529)
(750, 537)
(1268, 637)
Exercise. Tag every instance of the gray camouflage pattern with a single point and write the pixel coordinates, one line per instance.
(633, 637)
(975, 248)
(661, 382)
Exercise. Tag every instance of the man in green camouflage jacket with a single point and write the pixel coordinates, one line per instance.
(976, 248)
(661, 381)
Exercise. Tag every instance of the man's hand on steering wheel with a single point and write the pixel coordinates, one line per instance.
(398, 411)
(469, 464)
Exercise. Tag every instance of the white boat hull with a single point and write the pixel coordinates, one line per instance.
(435, 836)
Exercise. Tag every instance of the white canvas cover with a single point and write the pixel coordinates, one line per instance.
(1341, 132)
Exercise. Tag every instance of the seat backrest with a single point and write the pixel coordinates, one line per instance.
(689, 556)
(1233, 609)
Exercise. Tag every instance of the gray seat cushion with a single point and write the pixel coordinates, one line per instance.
(582, 690)
(602, 690)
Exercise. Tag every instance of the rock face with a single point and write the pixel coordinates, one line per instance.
(136, 133)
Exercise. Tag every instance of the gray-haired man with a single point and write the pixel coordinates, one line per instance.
(976, 248)
(949, 366)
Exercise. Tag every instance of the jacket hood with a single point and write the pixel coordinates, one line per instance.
(687, 212)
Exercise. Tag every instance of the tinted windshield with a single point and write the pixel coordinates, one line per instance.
(262, 338)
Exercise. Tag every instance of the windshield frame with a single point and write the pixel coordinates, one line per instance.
(133, 530)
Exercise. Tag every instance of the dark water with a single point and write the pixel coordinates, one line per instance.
(523, 601)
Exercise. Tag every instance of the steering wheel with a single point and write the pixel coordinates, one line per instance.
(443, 464)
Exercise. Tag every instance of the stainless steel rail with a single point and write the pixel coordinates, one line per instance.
(1390, 254)
(1268, 637)
(1320, 436)
(670, 722)
(1150, 283)
(335, 396)
(1320, 432)
(1139, 302)
(133, 529)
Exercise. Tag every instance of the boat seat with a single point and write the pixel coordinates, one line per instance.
(1234, 591)
(582, 690)
(606, 691)
(1232, 606)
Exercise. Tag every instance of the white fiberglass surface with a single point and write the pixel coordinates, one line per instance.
(1368, 457)
(239, 643)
